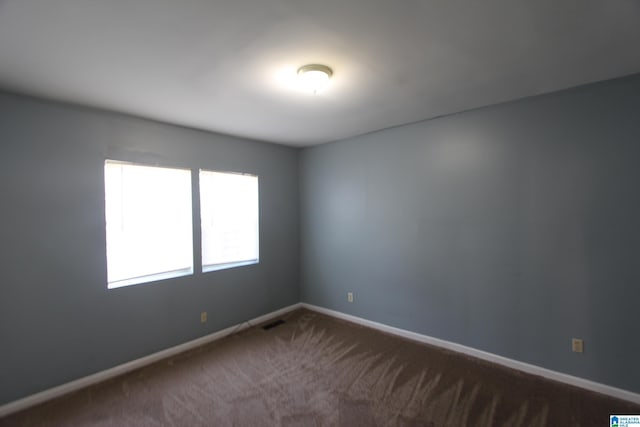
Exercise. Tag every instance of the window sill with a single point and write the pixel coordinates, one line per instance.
(149, 278)
(216, 267)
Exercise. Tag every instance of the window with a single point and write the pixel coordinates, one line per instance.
(149, 226)
(229, 215)
(149, 223)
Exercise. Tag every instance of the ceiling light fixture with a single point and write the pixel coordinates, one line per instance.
(314, 77)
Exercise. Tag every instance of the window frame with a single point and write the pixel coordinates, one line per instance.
(197, 265)
(160, 275)
(206, 268)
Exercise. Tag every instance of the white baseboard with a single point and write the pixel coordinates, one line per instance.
(63, 389)
(500, 360)
(69, 387)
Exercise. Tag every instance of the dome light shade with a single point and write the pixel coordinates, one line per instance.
(314, 77)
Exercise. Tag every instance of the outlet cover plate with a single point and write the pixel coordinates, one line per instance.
(577, 345)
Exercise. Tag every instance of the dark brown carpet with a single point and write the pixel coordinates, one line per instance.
(315, 370)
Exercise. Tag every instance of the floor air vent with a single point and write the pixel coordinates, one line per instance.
(273, 324)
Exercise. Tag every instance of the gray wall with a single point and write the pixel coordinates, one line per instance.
(509, 229)
(58, 320)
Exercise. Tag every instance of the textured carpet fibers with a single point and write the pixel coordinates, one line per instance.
(314, 370)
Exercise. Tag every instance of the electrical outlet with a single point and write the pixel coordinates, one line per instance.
(203, 317)
(350, 296)
(577, 346)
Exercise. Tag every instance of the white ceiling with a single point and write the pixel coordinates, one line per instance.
(223, 65)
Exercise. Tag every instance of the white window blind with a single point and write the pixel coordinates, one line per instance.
(229, 216)
(149, 223)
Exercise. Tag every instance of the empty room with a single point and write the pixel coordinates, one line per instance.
(336, 213)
